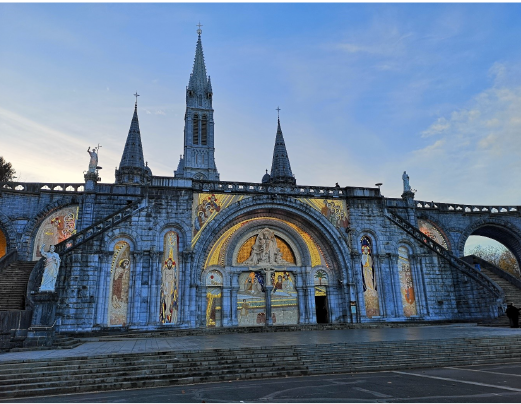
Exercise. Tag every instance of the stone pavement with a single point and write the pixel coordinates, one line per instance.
(120, 344)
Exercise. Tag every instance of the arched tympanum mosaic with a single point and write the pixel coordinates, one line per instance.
(370, 286)
(119, 284)
(406, 282)
(434, 233)
(169, 297)
(54, 229)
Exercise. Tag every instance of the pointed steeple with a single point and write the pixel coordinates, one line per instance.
(198, 160)
(198, 79)
(280, 166)
(132, 166)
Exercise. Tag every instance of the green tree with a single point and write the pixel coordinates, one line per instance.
(7, 171)
(500, 257)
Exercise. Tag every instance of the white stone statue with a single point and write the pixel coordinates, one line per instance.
(52, 265)
(265, 250)
(93, 163)
(406, 186)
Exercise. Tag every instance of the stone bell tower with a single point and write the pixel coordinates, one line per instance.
(198, 161)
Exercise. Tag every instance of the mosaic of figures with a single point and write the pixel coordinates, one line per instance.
(369, 278)
(119, 284)
(429, 230)
(3, 244)
(214, 282)
(206, 207)
(265, 251)
(336, 211)
(251, 299)
(55, 228)
(406, 283)
(169, 304)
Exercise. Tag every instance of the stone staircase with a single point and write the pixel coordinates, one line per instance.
(461, 265)
(13, 285)
(510, 285)
(165, 368)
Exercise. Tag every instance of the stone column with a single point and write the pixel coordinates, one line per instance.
(226, 311)
(154, 287)
(202, 304)
(234, 278)
(301, 296)
(312, 310)
(189, 298)
(395, 279)
(134, 289)
(102, 305)
(269, 289)
(358, 292)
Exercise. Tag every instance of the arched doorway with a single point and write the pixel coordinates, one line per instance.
(321, 280)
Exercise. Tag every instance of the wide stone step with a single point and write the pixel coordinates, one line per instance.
(89, 367)
(122, 375)
(144, 383)
(116, 380)
(43, 365)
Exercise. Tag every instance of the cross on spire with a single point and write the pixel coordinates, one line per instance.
(278, 112)
(199, 30)
(136, 95)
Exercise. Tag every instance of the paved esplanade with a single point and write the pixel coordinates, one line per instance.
(122, 345)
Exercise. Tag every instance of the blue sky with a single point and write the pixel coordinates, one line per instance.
(366, 91)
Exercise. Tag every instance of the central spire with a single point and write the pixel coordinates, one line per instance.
(198, 161)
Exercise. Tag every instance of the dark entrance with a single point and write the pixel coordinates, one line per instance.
(321, 307)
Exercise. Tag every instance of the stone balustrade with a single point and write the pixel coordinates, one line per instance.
(36, 187)
(203, 186)
(460, 208)
(282, 189)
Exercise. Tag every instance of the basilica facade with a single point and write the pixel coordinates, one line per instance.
(189, 251)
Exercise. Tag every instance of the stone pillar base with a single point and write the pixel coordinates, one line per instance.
(41, 332)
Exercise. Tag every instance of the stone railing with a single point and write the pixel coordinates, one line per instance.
(459, 208)
(36, 187)
(281, 189)
(9, 258)
(98, 228)
(463, 266)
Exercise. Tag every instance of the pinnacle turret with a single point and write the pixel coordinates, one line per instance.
(132, 166)
(280, 166)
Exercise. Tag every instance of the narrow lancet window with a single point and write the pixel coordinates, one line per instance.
(204, 132)
(196, 129)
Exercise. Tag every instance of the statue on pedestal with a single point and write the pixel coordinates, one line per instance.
(406, 185)
(52, 265)
(93, 163)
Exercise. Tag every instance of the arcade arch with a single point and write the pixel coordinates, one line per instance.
(505, 235)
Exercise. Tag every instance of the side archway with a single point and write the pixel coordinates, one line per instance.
(499, 230)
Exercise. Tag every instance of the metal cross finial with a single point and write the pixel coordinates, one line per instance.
(199, 31)
(136, 95)
(278, 112)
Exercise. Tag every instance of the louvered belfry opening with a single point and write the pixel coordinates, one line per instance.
(204, 132)
(196, 129)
